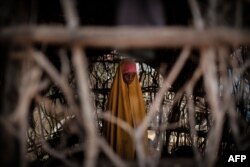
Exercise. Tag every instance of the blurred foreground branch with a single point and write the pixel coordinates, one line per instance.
(126, 37)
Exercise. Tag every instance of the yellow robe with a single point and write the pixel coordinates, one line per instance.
(125, 102)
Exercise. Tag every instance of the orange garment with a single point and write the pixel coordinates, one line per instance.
(125, 102)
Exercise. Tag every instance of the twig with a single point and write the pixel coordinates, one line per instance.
(166, 126)
(58, 110)
(126, 37)
(71, 16)
(115, 120)
(87, 110)
(227, 82)
(157, 102)
(189, 90)
(58, 79)
(211, 86)
(198, 21)
(110, 153)
(48, 149)
(30, 85)
(166, 85)
(65, 68)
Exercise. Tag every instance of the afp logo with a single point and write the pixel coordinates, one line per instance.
(237, 158)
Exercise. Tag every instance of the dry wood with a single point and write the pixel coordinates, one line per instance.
(126, 37)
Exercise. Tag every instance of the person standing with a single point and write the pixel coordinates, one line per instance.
(126, 103)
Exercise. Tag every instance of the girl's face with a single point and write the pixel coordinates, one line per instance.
(129, 77)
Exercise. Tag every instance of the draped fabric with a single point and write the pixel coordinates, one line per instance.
(125, 102)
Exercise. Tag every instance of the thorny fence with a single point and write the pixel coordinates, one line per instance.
(176, 117)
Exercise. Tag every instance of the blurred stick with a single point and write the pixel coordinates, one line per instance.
(228, 82)
(57, 154)
(156, 104)
(70, 12)
(197, 18)
(30, 85)
(115, 120)
(57, 111)
(87, 110)
(126, 37)
(209, 70)
(80, 63)
(191, 108)
(110, 153)
(65, 67)
(166, 85)
(57, 78)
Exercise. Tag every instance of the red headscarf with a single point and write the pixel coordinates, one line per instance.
(129, 67)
